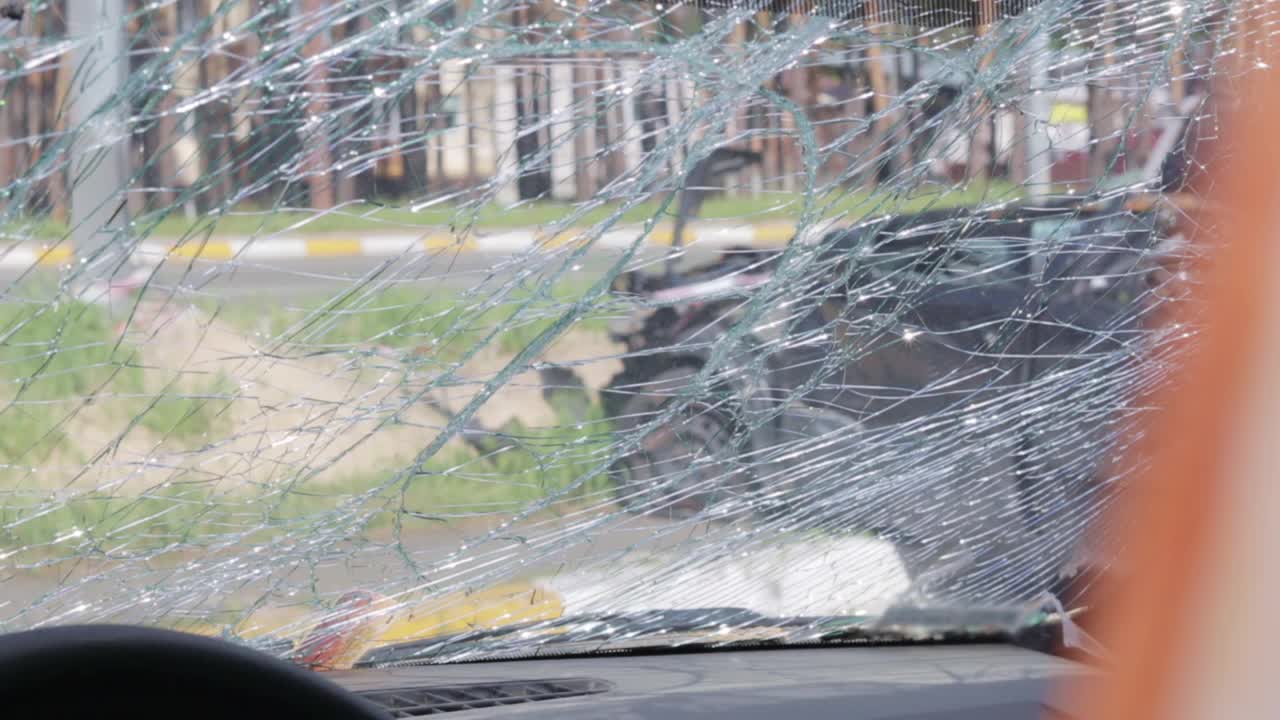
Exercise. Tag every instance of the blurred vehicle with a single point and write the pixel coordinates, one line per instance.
(923, 333)
(915, 328)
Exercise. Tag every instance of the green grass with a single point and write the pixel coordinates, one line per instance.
(159, 517)
(536, 315)
(56, 358)
(559, 462)
(366, 217)
(562, 461)
(61, 364)
(192, 417)
(43, 228)
(444, 325)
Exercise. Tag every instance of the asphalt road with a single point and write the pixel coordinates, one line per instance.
(321, 276)
(629, 563)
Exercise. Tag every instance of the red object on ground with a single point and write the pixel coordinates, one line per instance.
(331, 639)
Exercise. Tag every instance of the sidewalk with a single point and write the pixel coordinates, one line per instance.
(293, 247)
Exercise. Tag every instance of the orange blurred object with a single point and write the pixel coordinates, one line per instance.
(345, 632)
(1190, 631)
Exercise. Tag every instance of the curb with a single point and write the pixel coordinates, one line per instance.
(287, 247)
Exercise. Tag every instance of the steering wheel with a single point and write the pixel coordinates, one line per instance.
(134, 672)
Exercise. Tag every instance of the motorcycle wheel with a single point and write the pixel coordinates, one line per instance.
(686, 466)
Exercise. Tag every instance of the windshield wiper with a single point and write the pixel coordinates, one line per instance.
(710, 629)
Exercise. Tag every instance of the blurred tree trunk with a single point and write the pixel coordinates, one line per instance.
(419, 111)
(759, 173)
(1018, 149)
(674, 99)
(319, 158)
(555, 97)
(857, 136)
(609, 78)
(401, 163)
(467, 87)
(426, 121)
(901, 119)
(344, 179)
(738, 123)
(795, 86)
(603, 76)
(527, 140)
(240, 111)
(8, 153)
(619, 117)
(631, 149)
(217, 120)
(35, 106)
(980, 146)
(48, 86)
(789, 159)
(503, 117)
(166, 24)
(185, 140)
(58, 190)
(583, 131)
(470, 112)
(1102, 109)
(888, 139)
(16, 108)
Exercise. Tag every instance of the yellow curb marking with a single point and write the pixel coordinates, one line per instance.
(665, 236)
(334, 247)
(561, 239)
(447, 242)
(55, 255)
(489, 608)
(772, 235)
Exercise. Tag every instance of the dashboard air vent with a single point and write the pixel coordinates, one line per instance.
(435, 699)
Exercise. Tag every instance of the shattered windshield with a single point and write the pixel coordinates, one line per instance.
(345, 328)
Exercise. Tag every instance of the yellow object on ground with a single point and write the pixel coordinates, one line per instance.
(354, 632)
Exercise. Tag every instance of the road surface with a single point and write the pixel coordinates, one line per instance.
(298, 277)
(627, 564)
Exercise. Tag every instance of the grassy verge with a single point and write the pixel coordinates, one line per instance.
(367, 217)
(57, 359)
(443, 325)
(189, 418)
(61, 364)
(559, 463)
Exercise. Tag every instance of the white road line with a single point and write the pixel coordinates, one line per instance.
(278, 249)
(389, 245)
(18, 257)
(506, 242)
(512, 242)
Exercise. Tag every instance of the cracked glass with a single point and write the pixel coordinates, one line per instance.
(422, 331)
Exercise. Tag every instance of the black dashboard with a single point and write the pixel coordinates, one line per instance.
(991, 682)
(143, 673)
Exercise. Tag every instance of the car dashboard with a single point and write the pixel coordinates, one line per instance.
(991, 682)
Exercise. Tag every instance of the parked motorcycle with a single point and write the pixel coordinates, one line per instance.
(908, 357)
